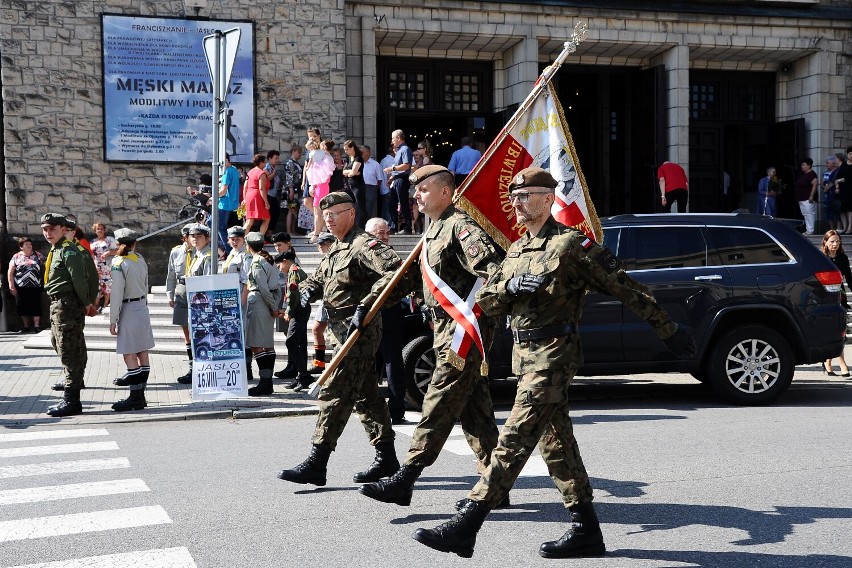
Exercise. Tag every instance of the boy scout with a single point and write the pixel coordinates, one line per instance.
(348, 280)
(541, 285)
(72, 290)
(296, 316)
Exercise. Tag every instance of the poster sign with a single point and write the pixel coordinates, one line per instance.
(216, 330)
(158, 96)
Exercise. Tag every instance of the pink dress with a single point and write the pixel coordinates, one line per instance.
(319, 174)
(255, 207)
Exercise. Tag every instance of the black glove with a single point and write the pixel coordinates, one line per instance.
(425, 313)
(357, 321)
(524, 284)
(682, 344)
(305, 298)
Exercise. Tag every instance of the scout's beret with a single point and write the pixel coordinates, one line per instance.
(254, 238)
(126, 236)
(334, 198)
(186, 228)
(53, 219)
(425, 172)
(70, 223)
(325, 238)
(236, 231)
(199, 229)
(532, 177)
(281, 238)
(286, 255)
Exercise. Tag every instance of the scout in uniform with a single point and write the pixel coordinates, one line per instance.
(262, 302)
(72, 292)
(179, 259)
(541, 285)
(238, 262)
(349, 279)
(296, 316)
(457, 257)
(130, 320)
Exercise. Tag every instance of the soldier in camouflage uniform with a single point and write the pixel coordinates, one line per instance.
(541, 285)
(349, 279)
(72, 290)
(459, 252)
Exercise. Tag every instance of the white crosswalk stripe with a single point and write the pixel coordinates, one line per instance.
(71, 491)
(53, 435)
(22, 530)
(33, 469)
(58, 449)
(178, 557)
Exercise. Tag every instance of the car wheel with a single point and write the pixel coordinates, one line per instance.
(202, 353)
(751, 365)
(418, 358)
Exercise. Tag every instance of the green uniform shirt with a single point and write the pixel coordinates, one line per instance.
(573, 264)
(69, 272)
(295, 276)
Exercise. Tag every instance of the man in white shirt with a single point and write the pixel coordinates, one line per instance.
(384, 190)
(373, 178)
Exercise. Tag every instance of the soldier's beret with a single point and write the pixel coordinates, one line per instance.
(325, 237)
(286, 255)
(186, 228)
(425, 172)
(126, 236)
(334, 198)
(236, 231)
(53, 219)
(199, 229)
(281, 238)
(254, 239)
(532, 177)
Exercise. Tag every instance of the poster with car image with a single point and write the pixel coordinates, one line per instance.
(216, 332)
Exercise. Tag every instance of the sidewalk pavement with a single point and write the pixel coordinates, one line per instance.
(26, 376)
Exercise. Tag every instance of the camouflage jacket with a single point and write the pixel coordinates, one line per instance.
(459, 252)
(293, 306)
(71, 270)
(355, 271)
(573, 265)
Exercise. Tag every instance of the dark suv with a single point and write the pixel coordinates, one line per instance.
(758, 297)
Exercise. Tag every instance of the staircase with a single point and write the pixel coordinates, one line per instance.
(169, 337)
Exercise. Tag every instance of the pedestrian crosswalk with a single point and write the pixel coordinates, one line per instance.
(29, 446)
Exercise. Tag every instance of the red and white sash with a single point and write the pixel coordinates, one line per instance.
(464, 312)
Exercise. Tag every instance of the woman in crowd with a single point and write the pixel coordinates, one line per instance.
(843, 181)
(130, 320)
(103, 249)
(264, 297)
(26, 283)
(254, 195)
(353, 171)
(422, 157)
(318, 173)
(833, 249)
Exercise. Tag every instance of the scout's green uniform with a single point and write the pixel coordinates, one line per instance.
(572, 264)
(459, 252)
(69, 283)
(351, 274)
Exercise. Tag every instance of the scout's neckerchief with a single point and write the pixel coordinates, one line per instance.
(464, 312)
(199, 256)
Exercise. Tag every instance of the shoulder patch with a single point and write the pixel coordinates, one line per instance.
(587, 243)
(373, 243)
(473, 250)
(464, 233)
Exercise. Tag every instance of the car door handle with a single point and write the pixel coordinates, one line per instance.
(709, 277)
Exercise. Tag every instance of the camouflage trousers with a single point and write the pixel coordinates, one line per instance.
(539, 415)
(354, 384)
(452, 395)
(66, 335)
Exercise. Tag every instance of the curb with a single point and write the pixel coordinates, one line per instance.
(276, 412)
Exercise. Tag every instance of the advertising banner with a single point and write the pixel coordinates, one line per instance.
(158, 96)
(216, 330)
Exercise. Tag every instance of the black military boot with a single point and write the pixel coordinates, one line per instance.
(136, 401)
(504, 503)
(60, 386)
(458, 535)
(384, 465)
(312, 470)
(70, 404)
(398, 488)
(262, 388)
(584, 538)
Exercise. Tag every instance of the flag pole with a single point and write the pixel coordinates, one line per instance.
(569, 47)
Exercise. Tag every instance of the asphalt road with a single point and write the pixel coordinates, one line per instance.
(680, 480)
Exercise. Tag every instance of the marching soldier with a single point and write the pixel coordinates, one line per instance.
(349, 279)
(179, 260)
(72, 291)
(541, 285)
(457, 256)
(130, 320)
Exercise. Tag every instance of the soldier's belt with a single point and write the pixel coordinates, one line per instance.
(340, 313)
(128, 300)
(546, 332)
(60, 297)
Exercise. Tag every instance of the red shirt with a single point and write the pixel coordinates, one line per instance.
(674, 175)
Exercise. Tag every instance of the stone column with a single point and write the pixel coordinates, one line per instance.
(676, 61)
(518, 72)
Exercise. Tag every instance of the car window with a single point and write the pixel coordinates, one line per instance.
(742, 245)
(669, 247)
(611, 239)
